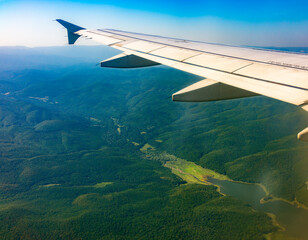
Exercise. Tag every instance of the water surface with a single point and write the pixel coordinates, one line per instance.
(292, 218)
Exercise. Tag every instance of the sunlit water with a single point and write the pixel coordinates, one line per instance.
(293, 219)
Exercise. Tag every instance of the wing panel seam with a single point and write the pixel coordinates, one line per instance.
(185, 59)
(161, 47)
(242, 67)
(218, 70)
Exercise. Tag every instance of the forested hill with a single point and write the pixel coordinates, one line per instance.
(70, 159)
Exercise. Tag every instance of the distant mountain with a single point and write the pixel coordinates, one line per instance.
(44, 58)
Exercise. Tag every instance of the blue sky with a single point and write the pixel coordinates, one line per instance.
(256, 23)
(251, 11)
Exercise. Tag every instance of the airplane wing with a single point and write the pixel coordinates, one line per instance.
(229, 71)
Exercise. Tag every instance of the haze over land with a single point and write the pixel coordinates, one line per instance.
(74, 161)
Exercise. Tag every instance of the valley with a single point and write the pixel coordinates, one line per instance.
(92, 153)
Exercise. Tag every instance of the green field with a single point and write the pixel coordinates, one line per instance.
(188, 171)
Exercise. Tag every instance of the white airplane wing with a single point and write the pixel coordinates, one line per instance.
(229, 71)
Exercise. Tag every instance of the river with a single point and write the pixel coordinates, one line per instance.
(292, 218)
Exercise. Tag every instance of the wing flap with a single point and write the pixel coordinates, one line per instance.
(217, 62)
(174, 53)
(142, 46)
(278, 74)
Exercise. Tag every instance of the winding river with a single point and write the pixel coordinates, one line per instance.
(292, 218)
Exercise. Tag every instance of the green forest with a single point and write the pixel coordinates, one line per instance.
(71, 159)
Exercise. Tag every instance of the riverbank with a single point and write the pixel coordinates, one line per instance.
(193, 173)
(256, 194)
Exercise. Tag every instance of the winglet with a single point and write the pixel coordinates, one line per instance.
(71, 29)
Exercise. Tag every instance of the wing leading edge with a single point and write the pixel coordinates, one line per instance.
(230, 72)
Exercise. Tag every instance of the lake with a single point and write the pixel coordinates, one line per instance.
(292, 218)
